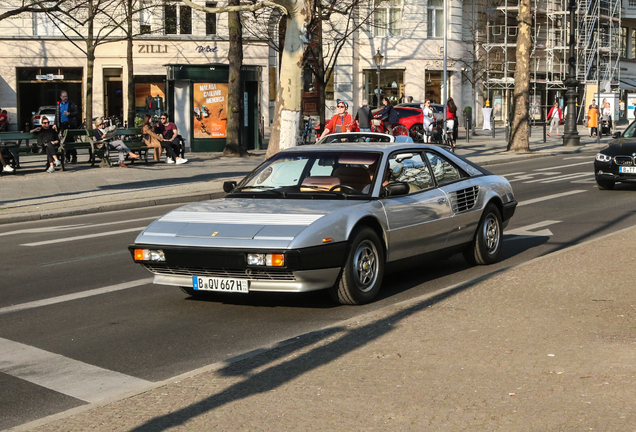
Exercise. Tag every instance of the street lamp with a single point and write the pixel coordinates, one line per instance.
(377, 59)
(570, 134)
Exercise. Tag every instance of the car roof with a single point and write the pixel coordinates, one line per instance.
(383, 147)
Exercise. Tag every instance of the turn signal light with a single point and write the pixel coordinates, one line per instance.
(275, 260)
(271, 260)
(149, 255)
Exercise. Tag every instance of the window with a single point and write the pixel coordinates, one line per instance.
(435, 18)
(633, 44)
(387, 18)
(329, 87)
(210, 20)
(624, 42)
(443, 170)
(177, 19)
(412, 169)
(145, 18)
(43, 25)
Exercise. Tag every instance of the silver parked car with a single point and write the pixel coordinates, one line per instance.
(331, 217)
(45, 110)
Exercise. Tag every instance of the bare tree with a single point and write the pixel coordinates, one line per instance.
(33, 6)
(519, 133)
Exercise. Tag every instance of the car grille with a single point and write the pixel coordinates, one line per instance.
(273, 275)
(624, 160)
(464, 199)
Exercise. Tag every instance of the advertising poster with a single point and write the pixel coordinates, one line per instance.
(612, 100)
(210, 109)
(631, 106)
(497, 107)
(535, 107)
(149, 99)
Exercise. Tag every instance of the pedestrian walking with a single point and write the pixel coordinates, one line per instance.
(363, 117)
(555, 116)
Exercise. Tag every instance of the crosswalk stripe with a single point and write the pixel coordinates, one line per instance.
(74, 296)
(62, 374)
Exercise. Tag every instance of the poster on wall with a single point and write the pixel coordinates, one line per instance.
(210, 109)
(631, 105)
(612, 100)
(149, 99)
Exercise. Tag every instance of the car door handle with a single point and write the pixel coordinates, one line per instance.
(441, 201)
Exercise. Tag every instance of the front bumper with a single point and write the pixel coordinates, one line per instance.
(305, 269)
(609, 172)
(303, 281)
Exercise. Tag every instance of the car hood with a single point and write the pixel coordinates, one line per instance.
(621, 146)
(237, 222)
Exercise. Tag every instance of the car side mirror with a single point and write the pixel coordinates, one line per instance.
(396, 189)
(228, 186)
(616, 135)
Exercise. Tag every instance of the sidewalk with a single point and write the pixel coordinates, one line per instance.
(33, 194)
(546, 346)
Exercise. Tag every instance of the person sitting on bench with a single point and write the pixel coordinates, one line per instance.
(116, 144)
(47, 137)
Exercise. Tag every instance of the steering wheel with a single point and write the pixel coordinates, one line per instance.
(342, 186)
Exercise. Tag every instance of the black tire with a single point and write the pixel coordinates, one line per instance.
(488, 240)
(605, 184)
(417, 133)
(361, 276)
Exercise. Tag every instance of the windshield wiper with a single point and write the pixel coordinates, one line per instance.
(265, 188)
(320, 189)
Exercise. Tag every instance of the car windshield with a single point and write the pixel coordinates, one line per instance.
(630, 132)
(355, 137)
(322, 174)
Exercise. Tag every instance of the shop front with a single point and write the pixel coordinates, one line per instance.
(41, 86)
(197, 102)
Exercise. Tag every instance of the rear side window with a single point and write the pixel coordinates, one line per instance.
(405, 113)
(410, 168)
(444, 171)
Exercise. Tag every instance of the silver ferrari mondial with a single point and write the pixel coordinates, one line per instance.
(330, 216)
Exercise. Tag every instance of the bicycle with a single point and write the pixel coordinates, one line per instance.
(308, 131)
(398, 130)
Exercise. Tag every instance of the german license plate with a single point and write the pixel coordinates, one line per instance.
(627, 169)
(202, 283)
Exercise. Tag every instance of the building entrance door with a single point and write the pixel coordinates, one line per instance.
(113, 93)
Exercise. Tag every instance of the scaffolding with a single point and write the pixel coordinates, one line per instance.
(597, 48)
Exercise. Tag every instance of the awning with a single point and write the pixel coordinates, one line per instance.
(627, 83)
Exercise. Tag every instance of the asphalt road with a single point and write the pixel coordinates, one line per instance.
(82, 322)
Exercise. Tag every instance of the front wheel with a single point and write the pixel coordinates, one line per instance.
(605, 184)
(400, 130)
(486, 246)
(362, 273)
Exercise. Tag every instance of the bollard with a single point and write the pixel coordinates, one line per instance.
(467, 129)
(529, 128)
(545, 133)
(493, 126)
(507, 130)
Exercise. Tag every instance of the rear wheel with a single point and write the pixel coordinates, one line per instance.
(400, 130)
(362, 273)
(605, 184)
(417, 133)
(485, 247)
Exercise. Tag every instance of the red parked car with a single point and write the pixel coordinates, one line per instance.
(411, 118)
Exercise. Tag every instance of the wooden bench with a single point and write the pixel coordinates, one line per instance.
(18, 144)
(131, 137)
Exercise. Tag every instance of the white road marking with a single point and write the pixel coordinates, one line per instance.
(590, 163)
(533, 175)
(549, 197)
(571, 177)
(62, 374)
(84, 237)
(74, 296)
(558, 178)
(512, 174)
(577, 157)
(70, 227)
(527, 231)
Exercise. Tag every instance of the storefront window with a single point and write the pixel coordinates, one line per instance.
(150, 99)
(391, 85)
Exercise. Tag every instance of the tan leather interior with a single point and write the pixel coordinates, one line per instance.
(357, 177)
(323, 183)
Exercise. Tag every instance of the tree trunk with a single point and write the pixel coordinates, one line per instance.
(90, 64)
(235, 58)
(130, 89)
(286, 122)
(519, 133)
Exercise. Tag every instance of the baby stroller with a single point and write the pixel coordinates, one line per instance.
(605, 125)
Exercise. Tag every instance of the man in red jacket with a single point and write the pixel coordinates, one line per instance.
(341, 122)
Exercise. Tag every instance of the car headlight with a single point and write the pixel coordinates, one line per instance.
(270, 260)
(603, 158)
(149, 255)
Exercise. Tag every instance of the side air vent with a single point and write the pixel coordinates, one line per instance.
(464, 199)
